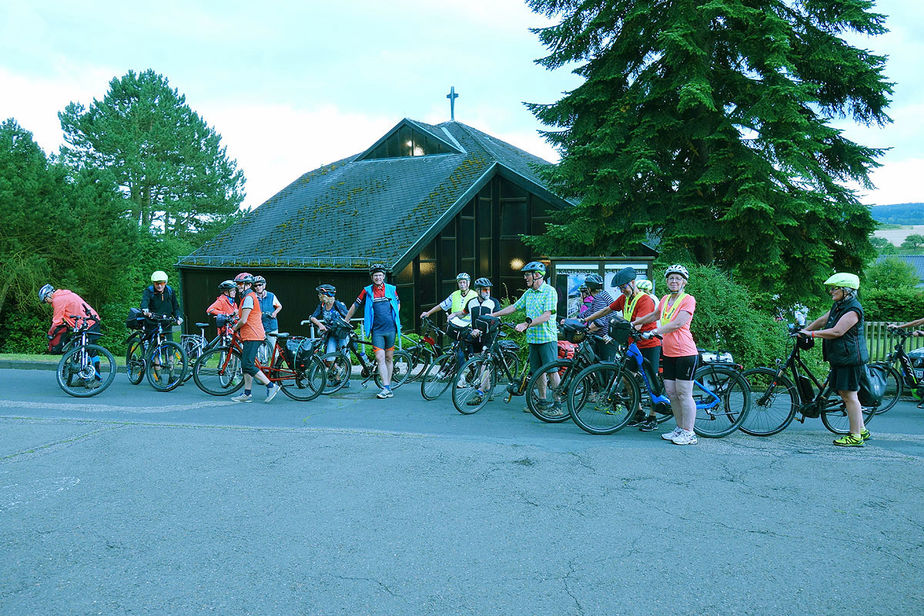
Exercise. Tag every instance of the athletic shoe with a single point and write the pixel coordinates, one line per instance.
(866, 435)
(684, 438)
(849, 440)
(242, 398)
(669, 436)
(272, 393)
(475, 400)
(637, 419)
(649, 425)
(385, 393)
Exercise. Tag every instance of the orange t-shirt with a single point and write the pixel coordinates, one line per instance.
(678, 343)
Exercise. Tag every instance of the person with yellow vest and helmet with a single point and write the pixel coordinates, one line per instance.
(844, 348)
(460, 322)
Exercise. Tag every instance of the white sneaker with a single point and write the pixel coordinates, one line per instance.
(242, 398)
(669, 436)
(272, 393)
(385, 393)
(685, 438)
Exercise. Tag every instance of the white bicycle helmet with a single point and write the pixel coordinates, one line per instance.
(677, 269)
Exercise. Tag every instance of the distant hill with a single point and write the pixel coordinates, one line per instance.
(899, 213)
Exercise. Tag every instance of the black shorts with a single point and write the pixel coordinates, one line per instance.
(679, 368)
(846, 378)
(249, 350)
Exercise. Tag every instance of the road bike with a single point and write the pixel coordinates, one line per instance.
(778, 398)
(498, 364)
(86, 369)
(603, 398)
(300, 374)
(151, 354)
(340, 363)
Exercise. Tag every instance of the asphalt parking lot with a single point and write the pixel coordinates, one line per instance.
(143, 502)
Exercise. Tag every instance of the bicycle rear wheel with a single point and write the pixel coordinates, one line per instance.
(401, 370)
(835, 417)
(86, 371)
(476, 374)
(339, 369)
(134, 360)
(723, 399)
(894, 388)
(552, 407)
(302, 383)
(774, 402)
(218, 372)
(602, 398)
(421, 357)
(438, 377)
(166, 366)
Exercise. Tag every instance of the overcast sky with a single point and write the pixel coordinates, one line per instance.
(293, 85)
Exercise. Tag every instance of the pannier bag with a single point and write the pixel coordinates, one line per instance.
(135, 319)
(872, 385)
(57, 340)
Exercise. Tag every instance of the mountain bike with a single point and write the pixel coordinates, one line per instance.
(603, 398)
(86, 369)
(299, 374)
(902, 380)
(339, 364)
(499, 363)
(196, 344)
(777, 397)
(150, 354)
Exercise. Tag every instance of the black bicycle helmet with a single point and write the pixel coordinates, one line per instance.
(624, 277)
(377, 267)
(326, 289)
(594, 281)
(483, 283)
(534, 266)
(226, 285)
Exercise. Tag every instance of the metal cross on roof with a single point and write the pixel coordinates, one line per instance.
(452, 96)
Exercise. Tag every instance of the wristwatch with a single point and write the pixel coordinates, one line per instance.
(528, 321)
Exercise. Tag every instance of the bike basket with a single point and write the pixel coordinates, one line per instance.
(573, 330)
(619, 331)
(135, 319)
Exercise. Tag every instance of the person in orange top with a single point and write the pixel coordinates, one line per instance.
(673, 314)
(66, 305)
(250, 328)
(224, 303)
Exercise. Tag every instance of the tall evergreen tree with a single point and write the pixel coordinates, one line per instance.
(707, 124)
(167, 162)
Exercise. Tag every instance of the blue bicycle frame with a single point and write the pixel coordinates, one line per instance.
(710, 400)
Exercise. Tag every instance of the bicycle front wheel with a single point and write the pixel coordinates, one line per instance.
(438, 377)
(545, 401)
(218, 372)
(303, 383)
(339, 369)
(473, 384)
(402, 365)
(421, 358)
(134, 360)
(774, 402)
(86, 371)
(166, 366)
(602, 398)
(723, 399)
(894, 388)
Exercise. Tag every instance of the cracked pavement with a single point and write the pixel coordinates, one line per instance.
(143, 502)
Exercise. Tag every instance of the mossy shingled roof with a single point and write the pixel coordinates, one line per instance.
(350, 213)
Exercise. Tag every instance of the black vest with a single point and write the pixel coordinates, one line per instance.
(850, 349)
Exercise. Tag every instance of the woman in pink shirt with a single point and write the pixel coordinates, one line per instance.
(673, 314)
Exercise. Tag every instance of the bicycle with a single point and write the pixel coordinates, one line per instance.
(548, 408)
(86, 369)
(163, 361)
(897, 382)
(340, 366)
(196, 344)
(777, 399)
(442, 370)
(500, 359)
(299, 374)
(604, 397)
(424, 350)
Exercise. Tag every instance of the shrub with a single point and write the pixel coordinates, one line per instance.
(895, 304)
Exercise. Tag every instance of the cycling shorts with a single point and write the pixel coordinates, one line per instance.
(679, 368)
(383, 341)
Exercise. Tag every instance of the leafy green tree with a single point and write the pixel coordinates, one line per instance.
(883, 246)
(891, 273)
(915, 241)
(706, 125)
(165, 160)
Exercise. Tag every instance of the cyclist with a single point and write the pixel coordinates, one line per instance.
(158, 298)
(844, 348)
(587, 299)
(250, 329)
(224, 303)
(269, 308)
(328, 309)
(647, 287)
(483, 303)
(459, 322)
(66, 304)
(633, 304)
(540, 302)
(602, 300)
(673, 316)
(381, 319)
(914, 323)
